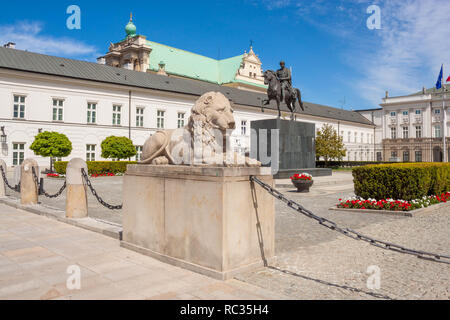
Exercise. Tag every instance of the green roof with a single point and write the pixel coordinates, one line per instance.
(191, 65)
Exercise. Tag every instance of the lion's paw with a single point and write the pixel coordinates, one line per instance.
(160, 161)
(252, 163)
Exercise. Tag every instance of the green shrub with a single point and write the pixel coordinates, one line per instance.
(118, 148)
(406, 181)
(98, 167)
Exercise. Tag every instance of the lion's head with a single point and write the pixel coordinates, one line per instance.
(213, 110)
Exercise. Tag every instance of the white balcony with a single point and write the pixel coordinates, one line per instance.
(405, 120)
(437, 119)
(418, 119)
(393, 120)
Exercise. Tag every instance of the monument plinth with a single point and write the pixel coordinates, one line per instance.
(295, 150)
(210, 220)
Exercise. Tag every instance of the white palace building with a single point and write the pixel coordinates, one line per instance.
(137, 88)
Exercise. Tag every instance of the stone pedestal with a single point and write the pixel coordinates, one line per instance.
(213, 221)
(76, 197)
(292, 151)
(28, 186)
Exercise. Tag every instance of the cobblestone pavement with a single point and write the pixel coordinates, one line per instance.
(35, 253)
(316, 263)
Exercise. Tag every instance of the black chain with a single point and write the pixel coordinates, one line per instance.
(56, 195)
(5, 179)
(51, 196)
(349, 232)
(94, 192)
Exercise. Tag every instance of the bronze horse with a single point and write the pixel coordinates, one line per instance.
(274, 93)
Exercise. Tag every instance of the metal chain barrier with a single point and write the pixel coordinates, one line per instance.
(349, 232)
(94, 192)
(5, 179)
(41, 187)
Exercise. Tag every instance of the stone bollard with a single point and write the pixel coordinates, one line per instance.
(2, 182)
(76, 198)
(28, 185)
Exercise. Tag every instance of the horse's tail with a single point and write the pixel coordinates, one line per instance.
(299, 96)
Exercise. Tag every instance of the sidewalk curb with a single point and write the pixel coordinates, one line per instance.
(98, 226)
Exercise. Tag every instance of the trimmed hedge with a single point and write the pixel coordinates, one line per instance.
(406, 181)
(98, 167)
(346, 164)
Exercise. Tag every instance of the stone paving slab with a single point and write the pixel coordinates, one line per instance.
(35, 253)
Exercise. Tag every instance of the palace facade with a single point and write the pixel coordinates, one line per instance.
(413, 128)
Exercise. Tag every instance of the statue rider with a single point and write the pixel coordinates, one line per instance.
(285, 77)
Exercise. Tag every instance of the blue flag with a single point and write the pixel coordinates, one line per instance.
(441, 77)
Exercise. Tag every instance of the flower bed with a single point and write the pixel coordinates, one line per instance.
(110, 174)
(55, 175)
(393, 205)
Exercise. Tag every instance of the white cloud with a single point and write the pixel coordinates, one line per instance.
(28, 36)
(411, 48)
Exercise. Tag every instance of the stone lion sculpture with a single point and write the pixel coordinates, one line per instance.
(202, 141)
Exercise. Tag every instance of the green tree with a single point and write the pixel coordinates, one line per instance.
(329, 145)
(118, 148)
(51, 144)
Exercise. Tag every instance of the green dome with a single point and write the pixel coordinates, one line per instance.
(130, 29)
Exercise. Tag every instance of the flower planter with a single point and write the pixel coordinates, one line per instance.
(303, 186)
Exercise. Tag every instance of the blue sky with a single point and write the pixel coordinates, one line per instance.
(334, 56)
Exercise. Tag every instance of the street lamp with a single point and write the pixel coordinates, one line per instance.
(3, 136)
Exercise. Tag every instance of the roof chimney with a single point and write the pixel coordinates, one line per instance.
(424, 90)
(387, 94)
(10, 45)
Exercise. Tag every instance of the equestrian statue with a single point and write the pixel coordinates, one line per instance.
(280, 89)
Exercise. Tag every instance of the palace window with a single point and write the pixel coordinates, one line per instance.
(394, 154)
(418, 112)
(92, 113)
(418, 156)
(243, 128)
(58, 105)
(139, 150)
(393, 114)
(356, 137)
(181, 116)
(160, 119)
(437, 131)
(405, 113)
(90, 152)
(379, 156)
(393, 133)
(418, 132)
(437, 111)
(405, 156)
(18, 153)
(19, 107)
(117, 115)
(405, 133)
(139, 117)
